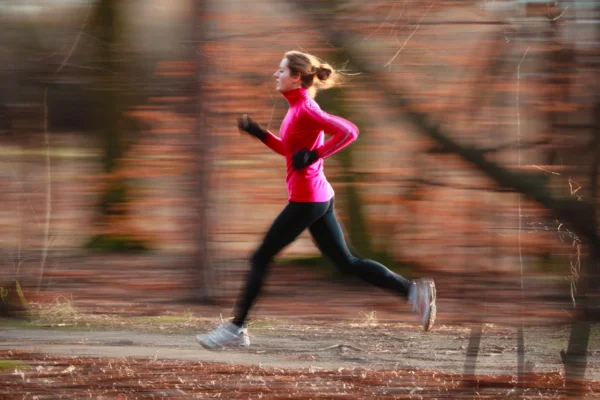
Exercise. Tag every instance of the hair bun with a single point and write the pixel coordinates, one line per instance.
(323, 72)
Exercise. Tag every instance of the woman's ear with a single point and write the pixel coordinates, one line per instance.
(296, 78)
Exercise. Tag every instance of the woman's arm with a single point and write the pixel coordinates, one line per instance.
(246, 124)
(274, 143)
(343, 132)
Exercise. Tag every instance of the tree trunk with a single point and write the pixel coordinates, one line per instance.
(588, 285)
(586, 305)
(332, 101)
(116, 233)
(108, 92)
(203, 277)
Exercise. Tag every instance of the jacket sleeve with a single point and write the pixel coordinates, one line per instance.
(274, 143)
(342, 132)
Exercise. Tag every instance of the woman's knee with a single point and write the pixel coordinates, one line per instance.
(348, 263)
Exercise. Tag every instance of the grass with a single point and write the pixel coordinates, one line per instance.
(10, 364)
(365, 319)
(311, 261)
(261, 324)
(319, 263)
(117, 243)
(62, 315)
(327, 268)
(170, 323)
(165, 319)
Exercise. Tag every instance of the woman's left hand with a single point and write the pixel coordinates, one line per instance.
(303, 158)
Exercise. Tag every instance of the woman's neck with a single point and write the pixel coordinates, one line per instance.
(295, 95)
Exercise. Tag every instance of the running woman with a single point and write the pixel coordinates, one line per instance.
(311, 198)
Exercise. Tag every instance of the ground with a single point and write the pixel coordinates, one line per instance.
(362, 360)
(311, 338)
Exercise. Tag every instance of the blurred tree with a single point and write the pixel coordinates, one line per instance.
(202, 265)
(587, 280)
(334, 100)
(116, 233)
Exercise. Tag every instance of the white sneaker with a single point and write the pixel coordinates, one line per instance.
(225, 335)
(422, 296)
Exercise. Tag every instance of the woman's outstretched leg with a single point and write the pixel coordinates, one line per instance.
(292, 221)
(329, 237)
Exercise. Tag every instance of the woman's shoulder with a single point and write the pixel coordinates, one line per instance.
(310, 106)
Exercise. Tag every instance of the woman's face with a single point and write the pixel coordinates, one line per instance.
(285, 81)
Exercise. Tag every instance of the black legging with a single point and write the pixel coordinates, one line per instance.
(323, 225)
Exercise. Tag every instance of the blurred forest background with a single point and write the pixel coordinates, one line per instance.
(123, 173)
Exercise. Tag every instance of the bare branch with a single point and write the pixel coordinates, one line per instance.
(409, 36)
(570, 211)
(428, 182)
(495, 149)
(74, 46)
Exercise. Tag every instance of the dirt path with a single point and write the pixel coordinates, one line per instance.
(329, 347)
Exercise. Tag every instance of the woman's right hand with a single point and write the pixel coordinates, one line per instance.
(246, 124)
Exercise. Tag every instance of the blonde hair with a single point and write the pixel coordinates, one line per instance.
(314, 74)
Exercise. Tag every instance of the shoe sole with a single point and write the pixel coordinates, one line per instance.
(207, 346)
(220, 348)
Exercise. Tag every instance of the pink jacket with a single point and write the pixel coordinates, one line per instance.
(303, 128)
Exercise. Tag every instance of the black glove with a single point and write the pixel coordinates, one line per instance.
(247, 125)
(303, 158)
